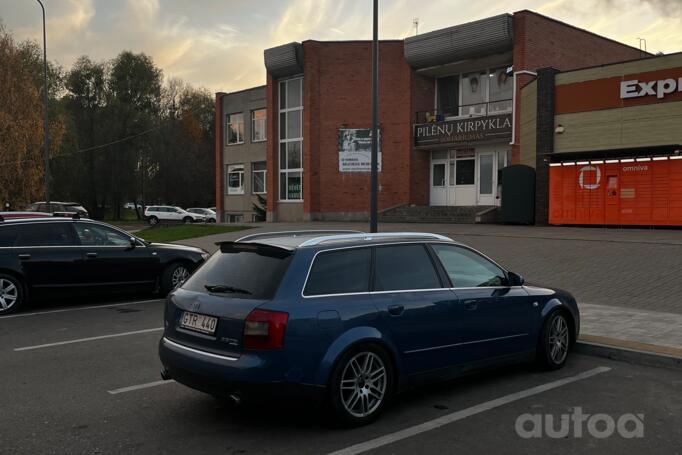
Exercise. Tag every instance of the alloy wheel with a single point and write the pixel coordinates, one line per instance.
(8, 294)
(557, 342)
(180, 274)
(363, 384)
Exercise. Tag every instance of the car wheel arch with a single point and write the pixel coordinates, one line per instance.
(349, 340)
(553, 306)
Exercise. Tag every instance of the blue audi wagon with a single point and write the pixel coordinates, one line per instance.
(352, 318)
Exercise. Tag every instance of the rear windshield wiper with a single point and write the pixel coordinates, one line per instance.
(226, 288)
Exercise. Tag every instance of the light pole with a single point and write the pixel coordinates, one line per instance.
(375, 121)
(45, 126)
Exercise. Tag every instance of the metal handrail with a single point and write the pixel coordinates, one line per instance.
(420, 116)
(265, 235)
(379, 235)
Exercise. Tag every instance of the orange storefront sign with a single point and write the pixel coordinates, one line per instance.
(646, 191)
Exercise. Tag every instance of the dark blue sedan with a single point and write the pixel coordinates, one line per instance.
(353, 318)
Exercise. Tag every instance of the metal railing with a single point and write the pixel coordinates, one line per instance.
(465, 111)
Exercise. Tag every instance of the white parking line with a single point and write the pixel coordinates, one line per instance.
(464, 413)
(81, 340)
(140, 386)
(92, 307)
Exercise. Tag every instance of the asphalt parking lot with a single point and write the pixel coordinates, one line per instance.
(85, 380)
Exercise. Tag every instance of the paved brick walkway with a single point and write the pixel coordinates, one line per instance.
(631, 268)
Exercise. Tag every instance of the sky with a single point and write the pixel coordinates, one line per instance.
(218, 44)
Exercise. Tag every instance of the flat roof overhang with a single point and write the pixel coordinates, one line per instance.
(485, 37)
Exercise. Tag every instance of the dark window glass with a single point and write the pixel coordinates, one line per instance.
(404, 267)
(8, 235)
(94, 234)
(45, 234)
(465, 172)
(467, 269)
(448, 91)
(339, 272)
(257, 270)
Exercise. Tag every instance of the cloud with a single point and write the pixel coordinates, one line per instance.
(219, 44)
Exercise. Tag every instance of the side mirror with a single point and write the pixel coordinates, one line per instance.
(133, 242)
(515, 279)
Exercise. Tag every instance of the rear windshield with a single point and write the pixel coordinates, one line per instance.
(242, 271)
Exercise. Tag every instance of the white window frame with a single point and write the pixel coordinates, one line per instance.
(253, 175)
(263, 121)
(235, 169)
(240, 137)
(284, 173)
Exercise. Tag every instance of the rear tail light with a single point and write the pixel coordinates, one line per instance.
(265, 329)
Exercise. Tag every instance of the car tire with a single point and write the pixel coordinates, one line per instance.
(153, 221)
(210, 220)
(361, 385)
(12, 294)
(554, 341)
(173, 276)
(187, 220)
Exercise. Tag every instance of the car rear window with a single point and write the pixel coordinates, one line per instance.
(256, 269)
(339, 272)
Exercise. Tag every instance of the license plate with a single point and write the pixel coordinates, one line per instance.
(198, 322)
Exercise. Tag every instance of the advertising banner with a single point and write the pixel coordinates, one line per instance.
(355, 149)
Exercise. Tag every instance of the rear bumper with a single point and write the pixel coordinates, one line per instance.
(250, 377)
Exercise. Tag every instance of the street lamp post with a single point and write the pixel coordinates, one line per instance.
(375, 121)
(45, 125)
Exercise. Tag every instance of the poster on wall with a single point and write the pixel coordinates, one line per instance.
(355, 150)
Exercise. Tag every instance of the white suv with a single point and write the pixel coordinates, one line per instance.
(208, 213)
(158, 213)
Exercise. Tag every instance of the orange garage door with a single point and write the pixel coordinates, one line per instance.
(642, 191)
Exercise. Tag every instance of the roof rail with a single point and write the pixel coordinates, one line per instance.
(374, 236)
(322, 232)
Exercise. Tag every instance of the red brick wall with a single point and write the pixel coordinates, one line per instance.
(337, 85)
(219, 179)
(541, 42)
(423, 93)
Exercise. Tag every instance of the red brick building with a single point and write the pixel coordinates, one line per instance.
(448, 113)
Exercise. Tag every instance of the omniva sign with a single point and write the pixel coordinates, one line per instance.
(660, 88)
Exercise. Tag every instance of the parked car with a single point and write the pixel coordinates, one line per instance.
(45, 254)
(209, 214)
(59, 207)
(352, 318)
(159, 213)
(26, 214)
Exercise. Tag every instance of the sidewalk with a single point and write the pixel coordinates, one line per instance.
(629, 279)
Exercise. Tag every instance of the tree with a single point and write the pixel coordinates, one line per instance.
(21, 117)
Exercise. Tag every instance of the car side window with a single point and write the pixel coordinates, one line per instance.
(45, 234)
(8, 235)
(403, 267)
(468, 269)
(339, 272)
(96, 235)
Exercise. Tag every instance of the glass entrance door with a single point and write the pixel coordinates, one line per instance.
(487, 178)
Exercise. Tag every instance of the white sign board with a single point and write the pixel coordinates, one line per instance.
(355, 150)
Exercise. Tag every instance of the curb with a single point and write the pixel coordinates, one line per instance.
(623, 354)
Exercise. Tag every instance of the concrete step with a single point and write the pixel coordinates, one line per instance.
(433, 214)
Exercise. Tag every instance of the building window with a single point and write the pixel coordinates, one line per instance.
(291, 140)
(235, 128)
(466, 167)
(258, 174)
(258, 125)
(478, 93)
(235, 179)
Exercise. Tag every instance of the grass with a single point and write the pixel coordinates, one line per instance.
(184, 231)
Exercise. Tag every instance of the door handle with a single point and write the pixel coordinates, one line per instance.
(91, 255)
(470, 305)
(24, 256)
(396, 310)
